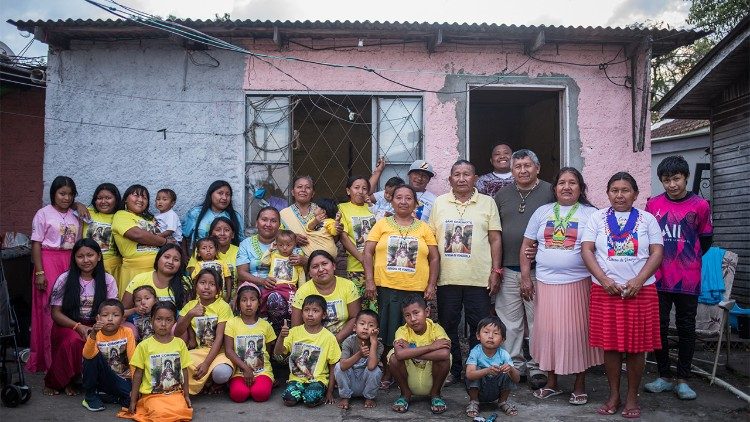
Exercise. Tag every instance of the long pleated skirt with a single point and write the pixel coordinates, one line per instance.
(560, 336)
(624, 325)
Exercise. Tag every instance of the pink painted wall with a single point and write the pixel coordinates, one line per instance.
(604, 109)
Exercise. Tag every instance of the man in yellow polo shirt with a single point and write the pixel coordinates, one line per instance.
(467, 227)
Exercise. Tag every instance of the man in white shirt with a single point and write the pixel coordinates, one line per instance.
(420, 173)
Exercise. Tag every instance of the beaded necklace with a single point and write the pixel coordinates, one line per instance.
(522, 205)
(401, 232)
(307, 217)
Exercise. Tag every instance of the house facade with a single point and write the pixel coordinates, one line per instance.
(133, 104)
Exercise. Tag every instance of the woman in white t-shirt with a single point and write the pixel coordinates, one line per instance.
(560, 331)
(622, 247)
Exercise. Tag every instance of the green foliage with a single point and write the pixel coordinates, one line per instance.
(716, 16)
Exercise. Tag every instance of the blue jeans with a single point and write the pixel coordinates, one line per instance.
(98, 376)
(491, 386)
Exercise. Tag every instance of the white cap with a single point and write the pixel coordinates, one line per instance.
(423, 166)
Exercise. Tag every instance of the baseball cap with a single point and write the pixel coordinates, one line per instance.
(423, 166)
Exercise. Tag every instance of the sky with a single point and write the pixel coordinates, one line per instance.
(519, 12)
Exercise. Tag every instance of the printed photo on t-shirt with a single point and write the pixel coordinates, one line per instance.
(419, 363)
(333, 308)
(115, 352)
(458, 238)
(214, 265)
(250, 349)
(282, 269)
(402, 254)
(361, 227)
(101, 233)
(151, 227)
(205, 330)
(558, 237)
(68, 235)
(166, 373)
(303, 360)
(143, 326)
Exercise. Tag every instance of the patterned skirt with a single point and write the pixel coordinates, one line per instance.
(624, 325)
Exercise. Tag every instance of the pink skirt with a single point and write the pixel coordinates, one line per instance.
(625, 325)
(560, 336)
(67, 359)
(54, 263)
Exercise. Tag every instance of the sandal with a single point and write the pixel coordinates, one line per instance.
(437, 405)
(386, 384)
(401, 405)
(472, 410)
(607, 410)
(508, 409)
(633, 413)
(578, 399)
(545, 393)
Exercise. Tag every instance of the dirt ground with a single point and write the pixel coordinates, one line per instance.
(714, 403)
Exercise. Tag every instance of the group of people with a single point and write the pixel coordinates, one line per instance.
(142, 306)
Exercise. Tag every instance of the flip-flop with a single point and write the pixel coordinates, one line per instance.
(633, 413)
(607, 410)
(400, 405)
(437, 405)
(545, 393)
(578, 399)
(386, 384)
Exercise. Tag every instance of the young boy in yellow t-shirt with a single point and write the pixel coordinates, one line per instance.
(420, 359)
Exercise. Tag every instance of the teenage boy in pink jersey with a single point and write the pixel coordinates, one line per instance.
(685, 221)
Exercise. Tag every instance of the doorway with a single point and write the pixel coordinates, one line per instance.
(519, 117)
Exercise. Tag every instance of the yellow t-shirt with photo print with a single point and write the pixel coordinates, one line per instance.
(217, 264)
(204, 326)
(401, 254)
(357, 220)
(343, 294)
(433, 332)
(250, 344)
(100, 230)
(162, 365)
(147, 279)
(126, 220)
(310, 354)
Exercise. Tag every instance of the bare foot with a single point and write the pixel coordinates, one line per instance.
(370, 403)
(344, 404)
(50, 391)
(71, 391)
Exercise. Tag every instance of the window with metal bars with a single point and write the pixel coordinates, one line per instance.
(328, 137)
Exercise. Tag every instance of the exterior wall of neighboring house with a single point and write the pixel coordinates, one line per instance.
(692, 147)
(21, 156)
(730, 166)
(127, 90)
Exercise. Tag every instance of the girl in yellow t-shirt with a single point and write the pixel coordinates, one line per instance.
(357, 220)
(313, 351)
(160, 379)
(204, 319)
(247, 339)
(207, 251)
(104, 204)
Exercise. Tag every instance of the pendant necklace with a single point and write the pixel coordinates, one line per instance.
(401, 232)
(522, 205)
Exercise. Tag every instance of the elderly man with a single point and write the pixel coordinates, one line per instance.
(500, 176)
(467, 227)
(420, 172)
(514, 302)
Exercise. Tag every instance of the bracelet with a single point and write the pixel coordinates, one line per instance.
(75, 327)
(39, 273)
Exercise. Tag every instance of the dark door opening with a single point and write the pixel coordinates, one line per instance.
(521, 118)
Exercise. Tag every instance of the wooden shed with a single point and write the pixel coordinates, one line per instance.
(718, 89)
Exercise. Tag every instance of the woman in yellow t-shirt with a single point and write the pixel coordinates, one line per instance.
(135, 232)
(341, 296)
(104, 204)
(401, 257)
(167, 279)
(357, 220)
(297, 216)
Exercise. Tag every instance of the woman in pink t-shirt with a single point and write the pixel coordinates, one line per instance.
(75, 301)
(54, 230)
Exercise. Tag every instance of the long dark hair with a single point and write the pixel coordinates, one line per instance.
(231, 226)
(109, 187)
(623, 175)
(176, 283)
(59, 182)
(213, 187)
(583, 199)
(141, 190)
(71, 291)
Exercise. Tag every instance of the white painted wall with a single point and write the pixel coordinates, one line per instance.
(84, 83)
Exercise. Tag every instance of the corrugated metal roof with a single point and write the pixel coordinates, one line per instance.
(664, 40)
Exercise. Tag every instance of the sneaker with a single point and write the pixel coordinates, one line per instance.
(659, 385)
(93, 403)
(684, 392)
